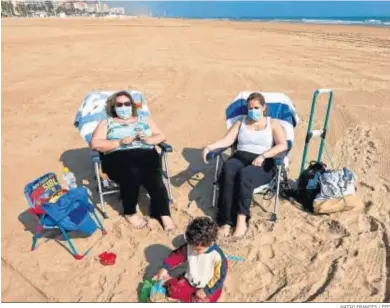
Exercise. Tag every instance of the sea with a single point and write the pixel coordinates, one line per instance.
(370, 13)
(366, 21)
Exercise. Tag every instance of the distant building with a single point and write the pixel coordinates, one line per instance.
(117, 10)
(27, 7)
(16, 2)
(92, 6)
(39, 14)
(105, 7)
(28, 1)
(80, 5)
(37, 2)
(32, 8)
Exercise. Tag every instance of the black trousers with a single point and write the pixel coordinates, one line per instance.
(133, 168)
(237, 182)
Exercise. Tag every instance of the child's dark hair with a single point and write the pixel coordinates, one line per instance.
(202, 231)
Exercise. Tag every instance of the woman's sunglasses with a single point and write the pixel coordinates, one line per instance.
(127, 104)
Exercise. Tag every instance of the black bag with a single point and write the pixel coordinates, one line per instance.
(309, 185)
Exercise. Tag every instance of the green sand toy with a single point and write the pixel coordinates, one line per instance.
(151, 287)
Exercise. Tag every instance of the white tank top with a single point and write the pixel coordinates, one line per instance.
(255, 141)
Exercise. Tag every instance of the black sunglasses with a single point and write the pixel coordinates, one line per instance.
(127, 104)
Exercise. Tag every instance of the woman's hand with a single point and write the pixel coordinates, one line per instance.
(126, 141)
(206, 151)
(258, 161)
(162, 275)
(142, 137)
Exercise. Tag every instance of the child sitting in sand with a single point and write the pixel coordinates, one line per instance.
(206, 265)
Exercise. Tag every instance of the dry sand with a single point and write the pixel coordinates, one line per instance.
(189, 72)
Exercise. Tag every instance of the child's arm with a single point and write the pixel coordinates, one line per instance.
(216, 283)
(176, 258)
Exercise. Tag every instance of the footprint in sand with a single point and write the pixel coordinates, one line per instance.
(366, 185)
(266, 253)
(374, 226)
(384, 185)
(332, 226)
(357, 148)
(256, 281)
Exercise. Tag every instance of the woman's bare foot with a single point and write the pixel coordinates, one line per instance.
(224, 230)
(137, 221)
(241, 227)
(167, 223)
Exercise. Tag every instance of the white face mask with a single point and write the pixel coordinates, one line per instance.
(124, 112)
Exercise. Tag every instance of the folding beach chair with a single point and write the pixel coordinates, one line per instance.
(56, 208)
(91, 112)
(280, 107)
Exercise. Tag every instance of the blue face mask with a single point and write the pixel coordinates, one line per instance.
(255, 114)
(124, 112)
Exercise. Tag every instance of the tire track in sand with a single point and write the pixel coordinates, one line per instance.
(5, 263)
(386, 243)
(329, 277)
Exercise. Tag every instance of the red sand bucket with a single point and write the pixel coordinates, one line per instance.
(107, 258)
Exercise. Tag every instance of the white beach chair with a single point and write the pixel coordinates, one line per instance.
(280, 107)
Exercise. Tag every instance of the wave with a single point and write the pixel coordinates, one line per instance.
(373, 22)
(343, 21)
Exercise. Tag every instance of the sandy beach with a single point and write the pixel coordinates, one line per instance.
(189, 71)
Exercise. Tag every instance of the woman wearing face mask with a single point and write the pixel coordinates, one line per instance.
(259, 138)
(130, 159)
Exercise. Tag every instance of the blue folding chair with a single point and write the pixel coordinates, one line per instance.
(56, 208)
(91, 112)
(280, 107)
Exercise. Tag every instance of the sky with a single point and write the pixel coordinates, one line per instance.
(259, 9)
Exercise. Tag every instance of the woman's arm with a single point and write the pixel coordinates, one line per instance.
(228, 139)
(225, 142)
(157, 135)
(279, 138)
(99, 140)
